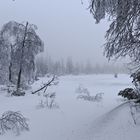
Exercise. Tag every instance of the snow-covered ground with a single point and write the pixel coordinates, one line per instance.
(76, 119)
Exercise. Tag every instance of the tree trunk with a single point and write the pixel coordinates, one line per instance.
(10, 72)
(19, 79)
(21, 61)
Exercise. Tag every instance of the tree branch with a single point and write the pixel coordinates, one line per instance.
(49, 83)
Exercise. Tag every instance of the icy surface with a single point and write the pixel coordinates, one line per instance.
(109, 119)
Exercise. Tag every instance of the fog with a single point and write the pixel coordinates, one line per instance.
(66, 27)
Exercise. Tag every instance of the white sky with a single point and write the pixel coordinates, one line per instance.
(66, 27)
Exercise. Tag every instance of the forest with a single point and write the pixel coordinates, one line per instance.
(57, 82)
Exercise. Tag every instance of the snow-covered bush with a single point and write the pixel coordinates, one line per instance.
(18, 92)
(129, 93)
(132, 93)
(7, 89)
(49, 101)
(11, 90)
(85, 95)
(82, 90)
(48, 98)
(13, 121)
(97, 98)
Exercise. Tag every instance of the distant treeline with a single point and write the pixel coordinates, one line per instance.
(67, 67)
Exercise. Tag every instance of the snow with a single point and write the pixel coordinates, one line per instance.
(76, 119)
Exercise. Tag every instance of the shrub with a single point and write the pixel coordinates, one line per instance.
(13, 121)
(129, 93)
(49, 101)
(85, 95)
(82, 90)
(18, 93)
(11, 90)
(97, 98)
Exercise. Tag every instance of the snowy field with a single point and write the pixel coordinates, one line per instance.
(76, 119)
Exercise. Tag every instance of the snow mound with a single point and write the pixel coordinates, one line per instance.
(116, 124)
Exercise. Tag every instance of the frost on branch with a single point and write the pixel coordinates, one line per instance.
(13, 121)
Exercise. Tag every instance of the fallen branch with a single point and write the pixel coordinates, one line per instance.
(49, 83)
